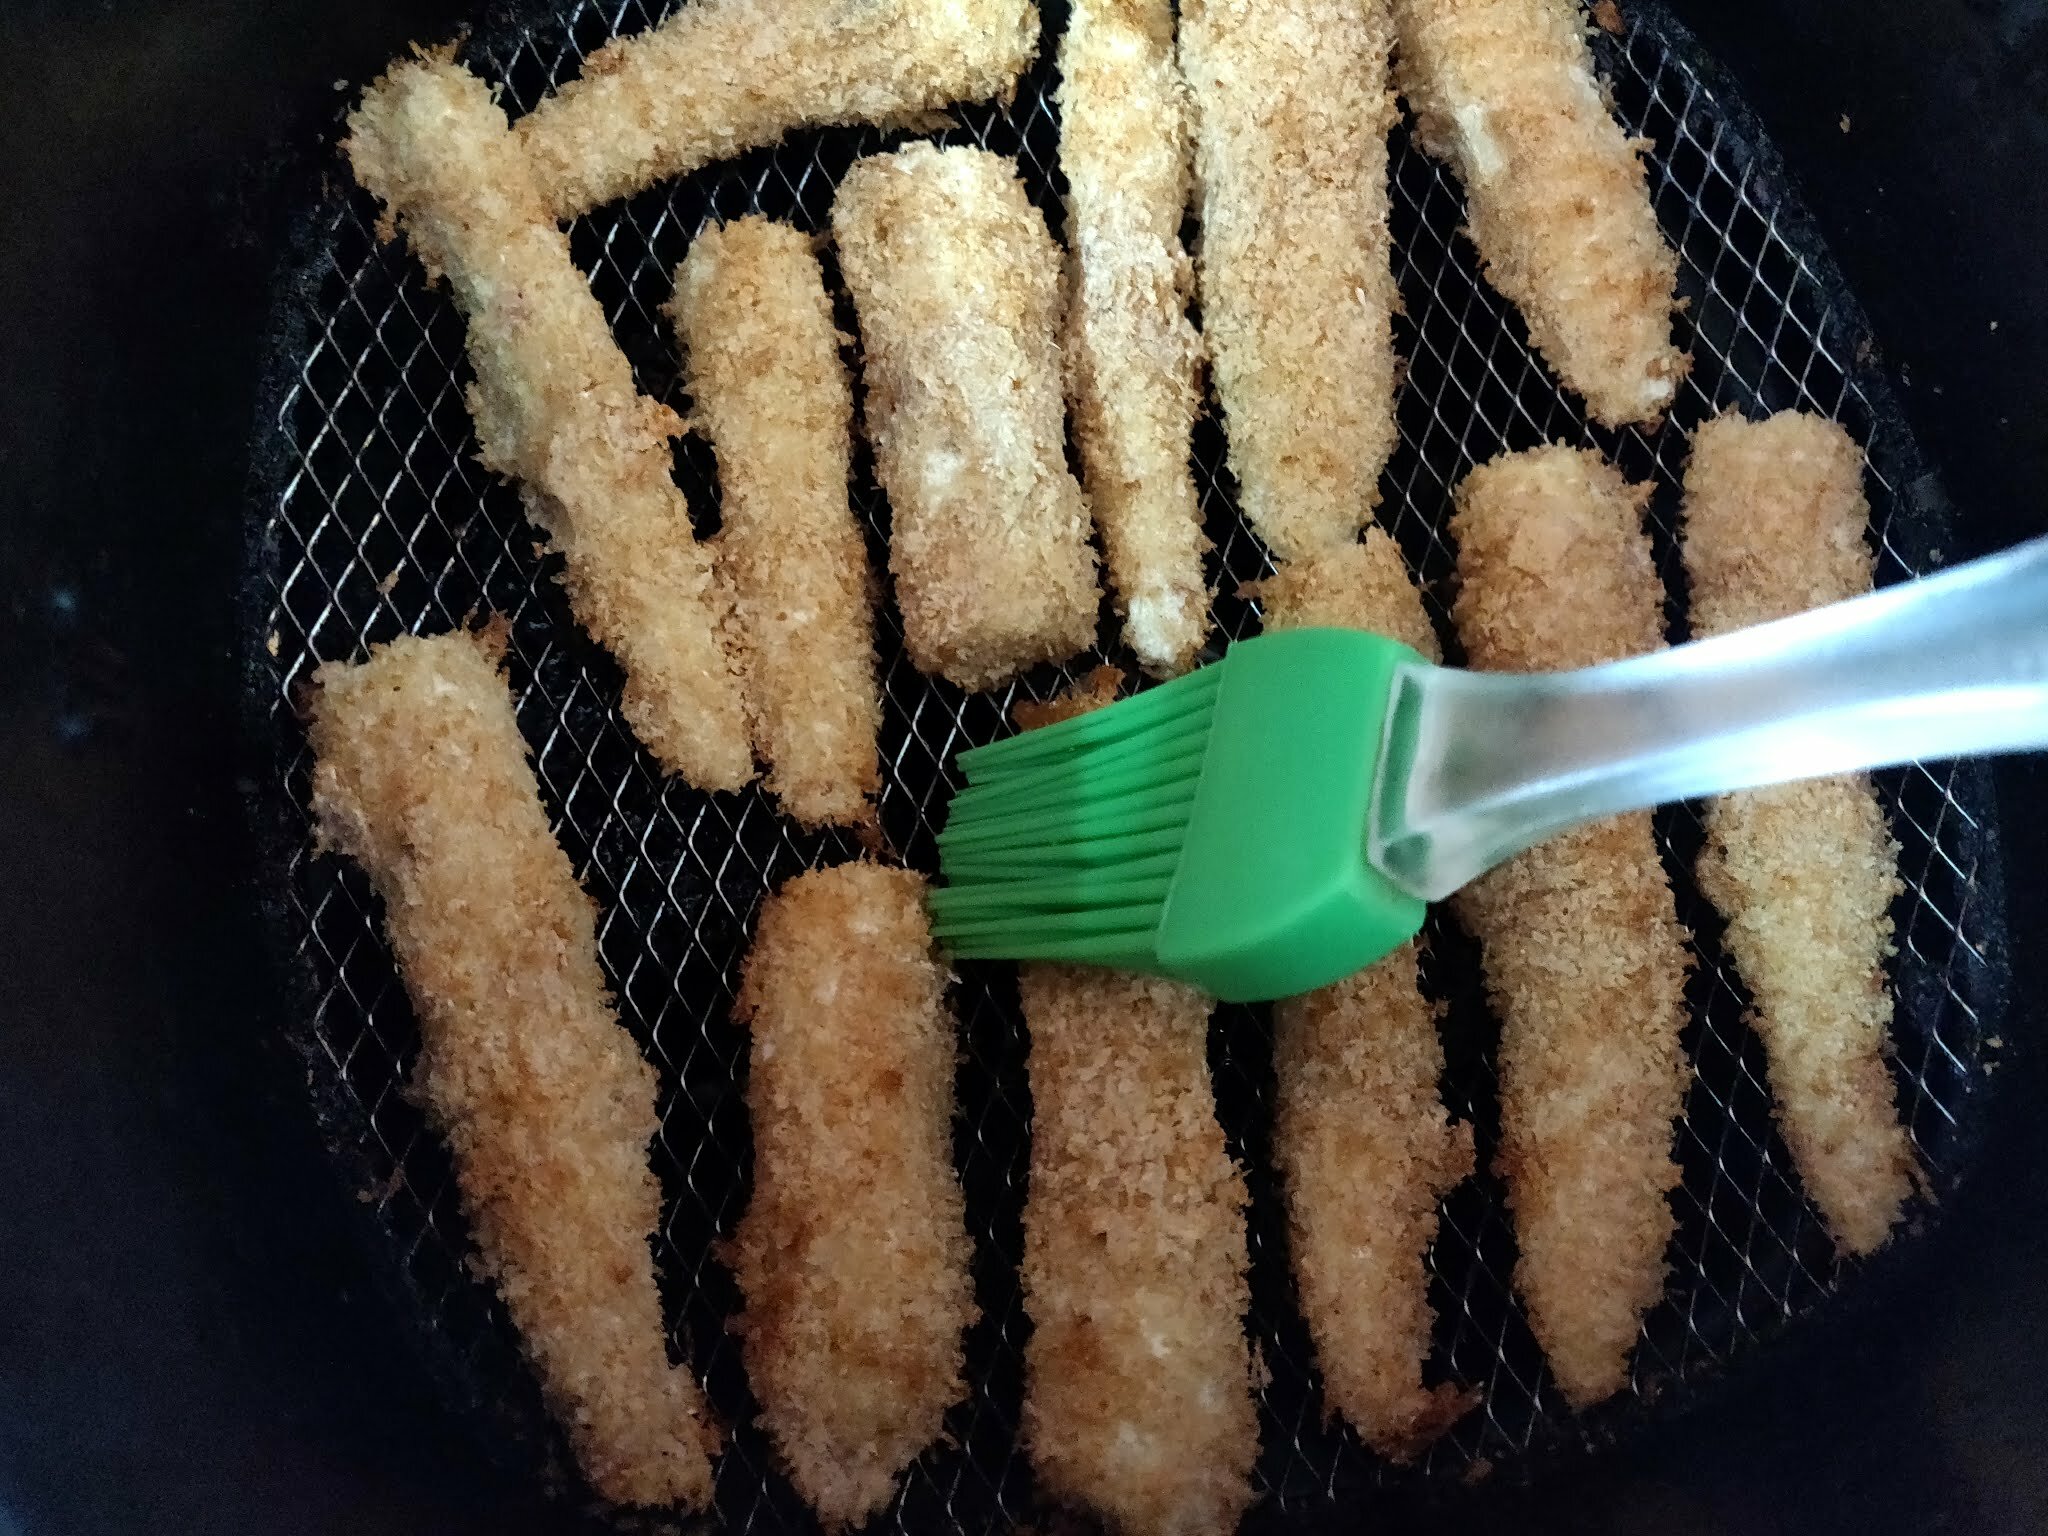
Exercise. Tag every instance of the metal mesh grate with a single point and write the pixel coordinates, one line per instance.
(380, 522)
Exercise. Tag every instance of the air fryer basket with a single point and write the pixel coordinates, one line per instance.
(378, 521)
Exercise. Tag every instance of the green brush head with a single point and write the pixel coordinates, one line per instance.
(1211, 829)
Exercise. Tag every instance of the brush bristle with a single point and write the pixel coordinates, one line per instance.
(1065, 842)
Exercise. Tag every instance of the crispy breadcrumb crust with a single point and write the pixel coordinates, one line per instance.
(1365, 1151)
(555, 408)
(1805, 874)
(1557, 198)
(770, 391)
(957, 285)
(1138, 1380)
(1133, 357)
(1365, 585)
(420, 776)
(1774, 521)
(853, 1254)
(1360, 1137)
(1292, 112)
(1585, 960)
(722, 76)
(1553, 568)
(1138, 1396)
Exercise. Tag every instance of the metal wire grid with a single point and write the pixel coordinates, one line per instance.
(383, 524)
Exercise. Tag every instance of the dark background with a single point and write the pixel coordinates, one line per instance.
(188, 1341)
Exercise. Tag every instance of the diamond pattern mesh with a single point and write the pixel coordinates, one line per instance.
(380, 522)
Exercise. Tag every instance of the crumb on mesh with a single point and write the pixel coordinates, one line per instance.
(420, 775)
(1292, 112)
(770, 391)
(1584, 958)
(555, 408)
(1098, 688)
(957, 285)
(1558, 200)
(1361, 1140)
(1805, 874)
(1133, 356)
(723, 76)
(853, 1255)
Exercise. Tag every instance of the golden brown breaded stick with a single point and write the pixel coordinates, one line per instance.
(1138, 1380)
(1292, 111)
(771, 393)
(1804, 873)
(1137, 1394)
(1585, 960)
(853, 1254)
(1557, 200)
(1774, 520)
(1365, 1151)
(1363, 585)
(1133, 357)
(957, 284)
(555, 409)
(723, 76)
(421, 777)
(1360, 1138)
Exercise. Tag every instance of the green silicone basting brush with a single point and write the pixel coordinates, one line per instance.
(1278, 819)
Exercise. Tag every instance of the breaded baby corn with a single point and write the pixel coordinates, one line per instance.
(1804, 873)
(555, 409)
(1584, 957)
(420, 776)
(1138, 1383)
(1557, 199)
(853, 1254)
(1362, 585)
(957, 285)
(722, 76)
(1292, 112)
(1138, 1380)
(1360, 1138)
(770, 391)
(1133, 357)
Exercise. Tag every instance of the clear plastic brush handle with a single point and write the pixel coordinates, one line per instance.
(1479, 766)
